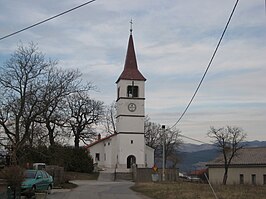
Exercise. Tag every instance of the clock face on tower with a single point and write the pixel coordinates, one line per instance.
(132, 107)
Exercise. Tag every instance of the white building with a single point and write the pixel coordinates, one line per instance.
(247, 167)
(127, 145)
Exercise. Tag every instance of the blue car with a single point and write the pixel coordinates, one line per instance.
(36, 180)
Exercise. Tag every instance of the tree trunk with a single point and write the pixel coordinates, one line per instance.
(14, 159)
(225, 176)
(76, 141)
(50, 133)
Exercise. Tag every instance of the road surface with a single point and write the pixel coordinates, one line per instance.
(89, 189)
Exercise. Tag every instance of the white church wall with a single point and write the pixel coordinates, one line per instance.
(110, 150)
(149, 156)
(130, 124)
(131, 144)
(107, 152)
(97, 149)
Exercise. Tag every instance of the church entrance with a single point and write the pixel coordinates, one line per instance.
(130, 161)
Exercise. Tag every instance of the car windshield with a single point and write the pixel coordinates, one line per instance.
(30, 174)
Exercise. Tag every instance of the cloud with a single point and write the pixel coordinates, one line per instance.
(174, 41)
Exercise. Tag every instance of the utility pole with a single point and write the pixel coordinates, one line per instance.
(163, 130)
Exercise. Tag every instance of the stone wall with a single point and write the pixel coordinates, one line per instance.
(145, 174)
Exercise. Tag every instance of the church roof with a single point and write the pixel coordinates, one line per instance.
(131, 71)
(100, 140)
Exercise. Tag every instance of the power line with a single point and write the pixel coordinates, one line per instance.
(210, 62)
(36, 24)
(193, 139)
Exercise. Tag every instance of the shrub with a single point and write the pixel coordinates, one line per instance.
(79, 161)
(14, 176)
(72, 159)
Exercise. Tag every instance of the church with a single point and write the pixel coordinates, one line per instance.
(126, 147)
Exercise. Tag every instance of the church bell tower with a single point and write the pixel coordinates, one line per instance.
(130, 116)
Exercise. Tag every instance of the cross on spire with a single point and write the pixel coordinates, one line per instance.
(131, 24)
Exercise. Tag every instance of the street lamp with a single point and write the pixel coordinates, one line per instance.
(163, 130)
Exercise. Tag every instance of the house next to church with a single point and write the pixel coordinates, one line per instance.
(127, 145)
(247, 167)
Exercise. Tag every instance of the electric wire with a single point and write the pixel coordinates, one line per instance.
(86, 3)
(265, 6)
(209, 64)
(36, 24)
(196, 140)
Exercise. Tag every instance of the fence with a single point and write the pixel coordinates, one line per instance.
(145, 174)
(3, 188)
(57, 173)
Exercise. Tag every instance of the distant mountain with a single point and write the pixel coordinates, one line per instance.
(193, 156)
(255, 143)
(190, 161)
(187, 147)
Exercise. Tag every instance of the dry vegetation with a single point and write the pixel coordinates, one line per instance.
(187, 190)
(81, 176)
(69, 176)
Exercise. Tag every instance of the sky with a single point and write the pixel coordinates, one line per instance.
(174, 41)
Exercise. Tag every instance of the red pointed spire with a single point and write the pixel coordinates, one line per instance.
(131, 71)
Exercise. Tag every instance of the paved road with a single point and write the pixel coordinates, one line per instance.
(97, 190)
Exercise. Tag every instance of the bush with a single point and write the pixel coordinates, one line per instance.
(79, 161)
(14, 176)
(72, 159)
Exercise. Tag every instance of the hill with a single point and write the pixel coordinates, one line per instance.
(193, 156)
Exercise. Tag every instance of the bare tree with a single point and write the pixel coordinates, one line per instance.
(83, 114)
(38, 135)
(109, 119)
(21, 82)
(229, 140)
(155, 137)
(152, 132)
(58, 85)
(172, 140)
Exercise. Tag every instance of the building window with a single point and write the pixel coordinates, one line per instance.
(131, 141)
(97, 157)
(253, 179)
(132, 91)
(241, 178)
(264, 179)
(118, 92)
(108, 143)
(146, 159)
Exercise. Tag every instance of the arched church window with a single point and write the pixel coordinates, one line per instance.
(132, 91)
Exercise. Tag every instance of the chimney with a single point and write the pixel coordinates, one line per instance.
(99, 136)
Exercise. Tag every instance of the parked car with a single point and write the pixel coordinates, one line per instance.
(36, 180)
(193, 179)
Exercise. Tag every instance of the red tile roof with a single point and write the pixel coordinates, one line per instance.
(131, 71)
(100, 140)
(198, 172)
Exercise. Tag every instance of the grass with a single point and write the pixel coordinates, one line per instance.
(68, 185)
(81, 176)
(187, 190)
